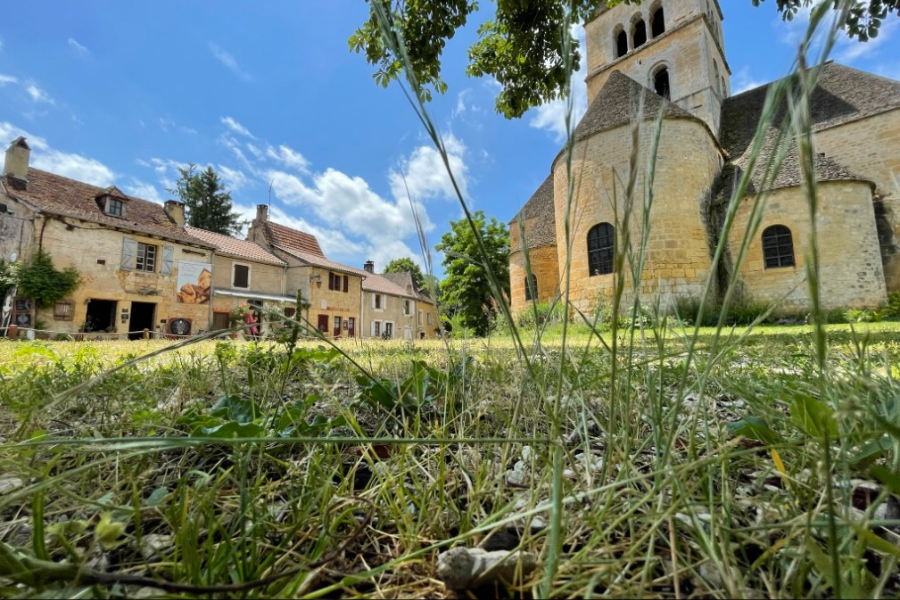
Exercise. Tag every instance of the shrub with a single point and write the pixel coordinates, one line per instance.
(39, 280)
(892, 309)
(546, 313)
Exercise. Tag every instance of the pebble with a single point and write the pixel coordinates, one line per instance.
(8, 484)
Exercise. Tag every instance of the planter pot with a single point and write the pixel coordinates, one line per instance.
(12, 332)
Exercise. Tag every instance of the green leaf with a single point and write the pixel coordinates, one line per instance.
(158, 495)
(887, 477)
(235, 408)
(814, 417)
(755, 428)
(229, 430)
(872, 450)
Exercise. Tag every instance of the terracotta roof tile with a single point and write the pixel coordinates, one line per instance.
(234, 247)
(279, 235)
(69, 198)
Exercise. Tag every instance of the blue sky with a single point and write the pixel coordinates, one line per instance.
(270, 95)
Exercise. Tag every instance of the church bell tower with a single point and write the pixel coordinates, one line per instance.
(673, 47)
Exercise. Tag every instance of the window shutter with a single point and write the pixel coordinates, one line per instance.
(241, 276)
(346, 283)
(168, 260)
(129, 250)
(372, 328)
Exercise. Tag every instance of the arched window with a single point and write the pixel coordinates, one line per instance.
(778, 247)
(640, 33)
(621, 44)
(601, 249)
(661, 83)
(724, 88)
(531, 289)
(658, 22)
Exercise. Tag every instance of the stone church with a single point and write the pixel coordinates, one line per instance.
(669, 56)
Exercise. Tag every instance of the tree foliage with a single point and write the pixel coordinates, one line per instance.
(522, 47)
(408, 265)
(38, 279)
(207, 203)
(465, 290)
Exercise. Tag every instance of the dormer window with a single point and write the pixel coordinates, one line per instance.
(112, 201)
(115, 207)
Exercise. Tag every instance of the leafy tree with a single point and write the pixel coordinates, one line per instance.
(522, 46)
(207, 204)
(39, 279)
(466, 290)
(408, 265)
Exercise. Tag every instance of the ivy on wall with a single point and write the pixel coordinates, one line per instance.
(39, 280)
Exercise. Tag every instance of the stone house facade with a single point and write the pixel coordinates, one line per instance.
(666, 59)
(340, 300)
(245, 274)
(131, 254)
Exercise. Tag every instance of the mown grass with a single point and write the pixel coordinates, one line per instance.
(648, 460)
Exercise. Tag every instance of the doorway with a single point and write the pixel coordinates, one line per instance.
(101, 315)
(142, 317)
(323, 323)
(351, 327)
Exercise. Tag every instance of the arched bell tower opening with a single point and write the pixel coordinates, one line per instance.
(684, 35)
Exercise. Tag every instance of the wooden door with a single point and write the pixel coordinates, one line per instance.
(323, 323)
(337, 327)
(351, 326)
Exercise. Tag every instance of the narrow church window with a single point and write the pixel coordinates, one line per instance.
(778, 247)
(716, 79)
(601, 248)
(531, 288)
(661, 83)
(640, 33)
(621, 44)
(658, 22)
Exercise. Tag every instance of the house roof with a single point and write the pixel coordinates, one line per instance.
(540, 208)
(318, 260)
(405, 281)
(285, 237)
(619, 103)
(842, 95)
(66, 197)
(227, 245)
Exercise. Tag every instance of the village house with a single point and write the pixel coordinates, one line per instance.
(343, 301)
(667, 57)
(246, 274)
(140, 271)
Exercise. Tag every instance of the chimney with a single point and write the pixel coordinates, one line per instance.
(369, 266)
(175, 210)
(17, 156)
(262, 213)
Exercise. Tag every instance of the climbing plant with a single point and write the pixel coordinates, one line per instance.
(38, 279)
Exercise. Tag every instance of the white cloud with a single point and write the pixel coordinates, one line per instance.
(236, 127)
(4, 79)
(229, 61)
(286, 156)
(142, 189)
(37, 94)
(46, 158)
(188, 130)
(743, 81)
(850, 50)
(233, 178)
(78, 48)
(551, 116)
(426, 175)
(461, 102)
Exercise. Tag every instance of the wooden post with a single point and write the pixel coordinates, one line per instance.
(146, 333)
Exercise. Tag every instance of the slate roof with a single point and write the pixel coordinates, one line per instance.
(539, 207)
(57, 195)
(235, 248)
(618, 103)
(285, 237)
(842, 95)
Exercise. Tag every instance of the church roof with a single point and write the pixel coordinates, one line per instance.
(540, 208)
(618, 102)
(842, 95)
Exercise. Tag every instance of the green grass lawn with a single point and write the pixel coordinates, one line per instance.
(733, 467)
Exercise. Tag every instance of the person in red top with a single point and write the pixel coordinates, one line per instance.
(251, 320)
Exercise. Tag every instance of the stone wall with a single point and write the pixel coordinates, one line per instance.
(868, 147)
(544, 266)
(678, 258)
(96, 252)
(849, 259)
(405, 325)
(16, 230)
(333, 303)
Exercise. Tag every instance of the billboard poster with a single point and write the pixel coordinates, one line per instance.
(194, 281)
